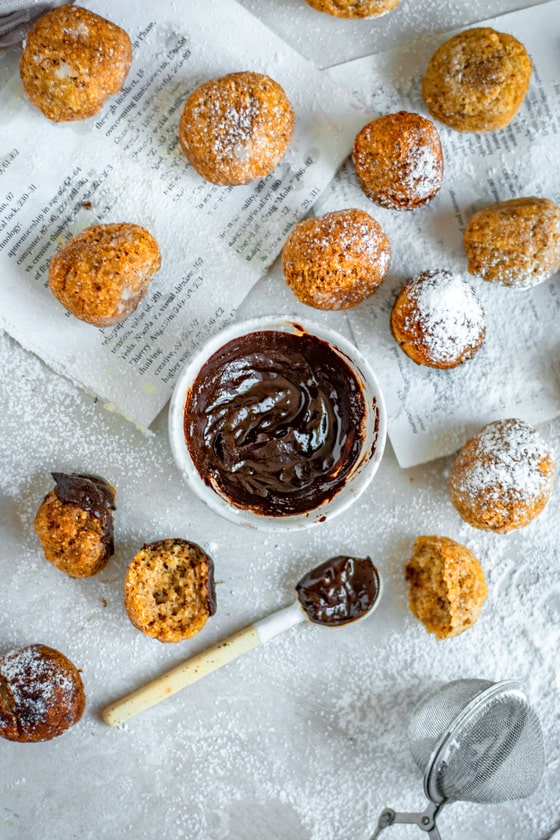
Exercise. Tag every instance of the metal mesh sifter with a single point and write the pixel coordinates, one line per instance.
(475, 741)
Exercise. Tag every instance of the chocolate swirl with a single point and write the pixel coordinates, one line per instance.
(274, 422)
(338, 591)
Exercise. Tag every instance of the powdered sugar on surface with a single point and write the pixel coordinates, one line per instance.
(447, 313)
(398, 160)
(516, 372)
(126, 164)
(509, 459)
(357, 237)
(344, 234)
(33, 680)
(336, 40)
(237, 126)
(515, 243)
(422, 177)
(336, 259)
(304, 738)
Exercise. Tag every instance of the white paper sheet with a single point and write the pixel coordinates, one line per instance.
(517, 372)
(125, 164)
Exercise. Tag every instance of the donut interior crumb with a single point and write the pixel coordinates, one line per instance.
(446, 586)
(168, 589)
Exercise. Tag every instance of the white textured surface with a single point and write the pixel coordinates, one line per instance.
(303, 739)
(327, 40)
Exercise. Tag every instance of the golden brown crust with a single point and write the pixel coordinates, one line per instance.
(336, 261)
(354, 8)
(70, 537)
(503, 477)
(437, 320)
(515, 243)
(477, 80)
(102, 274)
(399, 161)
(73, 61)
(169, 590)
(74, 524)
(446, 586)
(236, 129)
(41, 694)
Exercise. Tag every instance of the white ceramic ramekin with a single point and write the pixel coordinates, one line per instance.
(374, 426)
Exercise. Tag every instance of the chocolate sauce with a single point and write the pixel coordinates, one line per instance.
(274, 422)
(211, 601)
(94, 495)
(338, 591)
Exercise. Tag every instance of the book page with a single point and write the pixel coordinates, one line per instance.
(517, 371)
(125, 165)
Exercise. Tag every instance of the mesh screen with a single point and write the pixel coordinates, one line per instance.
(435, 714)
(497, 755)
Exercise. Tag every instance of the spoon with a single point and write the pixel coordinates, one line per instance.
(340, 591)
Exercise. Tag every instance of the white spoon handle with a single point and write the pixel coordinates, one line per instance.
(275, 623)
(201, 664)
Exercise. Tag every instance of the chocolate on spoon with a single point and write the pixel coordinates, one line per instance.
(340, 591)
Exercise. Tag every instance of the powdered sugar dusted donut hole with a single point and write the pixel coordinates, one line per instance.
(438, 320)
(102, 273)
(503, 477)
(73, 61)
(236, 129)
(336, 261)
(354, 8)
(398, 160)
(41, 694)
(515, 243)
(477, 80)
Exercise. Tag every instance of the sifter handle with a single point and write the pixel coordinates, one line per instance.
(426, 820)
